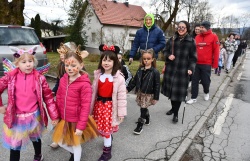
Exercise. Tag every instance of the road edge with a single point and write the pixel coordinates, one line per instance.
(178, 154)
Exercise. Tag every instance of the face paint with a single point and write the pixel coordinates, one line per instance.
(72, 66)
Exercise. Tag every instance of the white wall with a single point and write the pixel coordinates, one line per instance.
(117, 35)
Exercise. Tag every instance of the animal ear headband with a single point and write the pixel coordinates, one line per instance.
(65, 48)
(18, 52)
(113, 48)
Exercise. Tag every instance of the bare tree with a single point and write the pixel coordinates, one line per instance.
(171, 7)
(112, 38)
(189, 6)
(245, 19)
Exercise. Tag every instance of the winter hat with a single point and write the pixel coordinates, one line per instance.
(206, 24)
(152, 17)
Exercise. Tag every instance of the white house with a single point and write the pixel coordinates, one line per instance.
(111, 22)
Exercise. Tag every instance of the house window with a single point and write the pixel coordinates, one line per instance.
(93, 36)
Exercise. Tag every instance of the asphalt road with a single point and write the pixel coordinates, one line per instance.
(161, 140)
(225, 136)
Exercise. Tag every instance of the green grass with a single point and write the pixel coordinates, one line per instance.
(91, 63)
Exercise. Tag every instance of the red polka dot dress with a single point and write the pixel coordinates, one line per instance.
(103, 106)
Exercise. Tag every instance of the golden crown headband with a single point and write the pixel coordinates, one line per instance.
(64, 49)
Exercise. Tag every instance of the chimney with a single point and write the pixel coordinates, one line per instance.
(126, 3)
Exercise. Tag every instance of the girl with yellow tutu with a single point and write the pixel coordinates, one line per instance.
(73, 100)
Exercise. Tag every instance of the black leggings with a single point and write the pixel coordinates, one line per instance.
(15, 154)
(175, 107)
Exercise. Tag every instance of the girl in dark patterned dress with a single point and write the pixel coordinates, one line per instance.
(147, 83)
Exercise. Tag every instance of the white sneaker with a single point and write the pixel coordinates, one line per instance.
(206, 96)
(191, 101)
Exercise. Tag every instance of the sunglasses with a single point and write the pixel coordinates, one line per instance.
(181, 28)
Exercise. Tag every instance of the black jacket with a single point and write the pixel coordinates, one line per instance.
(148, 84)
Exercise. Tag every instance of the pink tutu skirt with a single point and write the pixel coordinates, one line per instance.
(26, 127)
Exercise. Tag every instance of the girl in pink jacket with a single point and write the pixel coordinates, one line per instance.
(73, 100)
(25, 117)
(109, 100)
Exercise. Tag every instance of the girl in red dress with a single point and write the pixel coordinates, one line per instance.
(109, 100)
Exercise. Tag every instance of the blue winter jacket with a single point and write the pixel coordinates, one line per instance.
(148, 38)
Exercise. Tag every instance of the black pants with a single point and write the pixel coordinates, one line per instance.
(175, 107)
(236, 55)
(15, 154)
(203, 73)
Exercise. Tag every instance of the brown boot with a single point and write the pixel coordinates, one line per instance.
(106, 155)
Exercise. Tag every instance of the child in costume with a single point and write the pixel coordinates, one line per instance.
(73, 100)
(61, 70)
(147, 84)
(109, 100)
(223, 52)
(124, 69)
(60, 67)
(25, 117)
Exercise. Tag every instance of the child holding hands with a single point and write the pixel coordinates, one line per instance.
(147, 84)
(109, 102)
(73, 100)
(24, 116)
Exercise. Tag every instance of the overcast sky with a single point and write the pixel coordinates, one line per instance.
(55, 9)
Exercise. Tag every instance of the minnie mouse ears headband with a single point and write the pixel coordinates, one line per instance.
(71, 46)
(113, 48)
(18, 52)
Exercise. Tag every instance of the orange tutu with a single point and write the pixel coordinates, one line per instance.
(65, 132)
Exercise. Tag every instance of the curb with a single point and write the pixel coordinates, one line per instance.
(178, 154)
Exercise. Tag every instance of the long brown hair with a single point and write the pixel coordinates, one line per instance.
(111, 55)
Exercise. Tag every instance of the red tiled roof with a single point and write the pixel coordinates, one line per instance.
(115, 13)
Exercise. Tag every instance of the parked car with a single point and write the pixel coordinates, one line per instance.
(20, 37)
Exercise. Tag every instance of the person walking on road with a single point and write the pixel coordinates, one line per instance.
(239, 50)
(73, 100)
(25, 117)
(148, 37)
(125, 69)
(231, 47)
(223, 52)
(196, 30)
(147, 86)
(109, 100)
(180, 63)
(207, 46)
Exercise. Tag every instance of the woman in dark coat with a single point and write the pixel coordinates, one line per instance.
(180, 64)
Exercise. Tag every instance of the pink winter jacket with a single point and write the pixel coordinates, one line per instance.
(44, 94)
(73, 100)
(119, 96)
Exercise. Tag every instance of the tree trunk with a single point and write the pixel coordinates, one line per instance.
(11, 13)
(172, 16)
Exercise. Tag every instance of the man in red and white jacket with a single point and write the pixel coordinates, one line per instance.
(207, 47)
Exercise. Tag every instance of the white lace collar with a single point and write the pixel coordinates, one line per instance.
(104, 76)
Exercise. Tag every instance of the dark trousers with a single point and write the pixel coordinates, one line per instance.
(203, 73)
(236, 55)
(175, 107)
(15, 154)
(218, 70)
